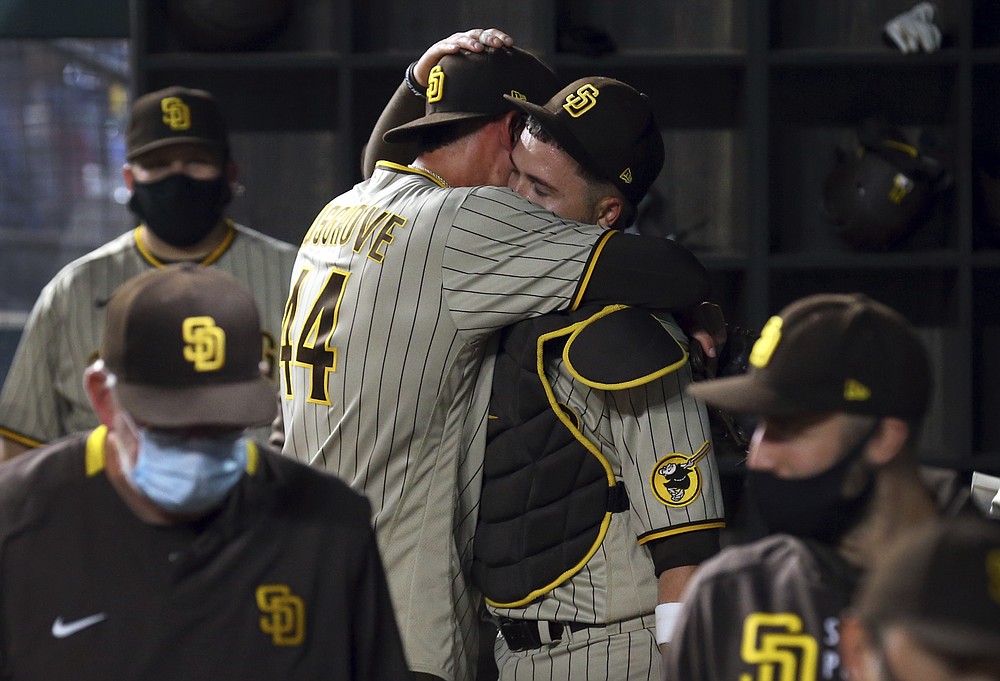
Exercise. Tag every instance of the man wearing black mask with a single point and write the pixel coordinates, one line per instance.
(840, 384)
(180, 171)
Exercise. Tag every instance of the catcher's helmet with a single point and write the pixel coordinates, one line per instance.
(882, 191)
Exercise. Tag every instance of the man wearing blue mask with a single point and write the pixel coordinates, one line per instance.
(165, 543)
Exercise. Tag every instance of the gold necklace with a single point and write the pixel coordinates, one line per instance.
(437, 177)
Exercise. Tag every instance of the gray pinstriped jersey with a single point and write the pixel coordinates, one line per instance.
(43, 397)
(400, 282)
(636, 430)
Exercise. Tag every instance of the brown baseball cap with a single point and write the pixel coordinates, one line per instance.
(830, 352)
(184, 343)
(471, 85)
(941, 582)
(607, 127)
(175, 115)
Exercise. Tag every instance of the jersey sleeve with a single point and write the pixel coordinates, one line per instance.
(648, 272)
(29, 401)
(669, 468)
(507, 259)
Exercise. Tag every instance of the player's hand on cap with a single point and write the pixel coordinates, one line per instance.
(915, 30)
(473, 40)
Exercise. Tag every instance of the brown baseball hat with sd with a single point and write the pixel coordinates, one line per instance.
(471, 85)
(184, 344)
(175, 115)
(608, 128)
(830, 352)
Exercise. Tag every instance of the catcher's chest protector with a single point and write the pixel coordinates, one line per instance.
(548, 492)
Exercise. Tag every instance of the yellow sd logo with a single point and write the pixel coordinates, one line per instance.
(856, 391)
(775, 642)
(435, 84)
(176, 114)
(581, 101)
(676, 480)
(770, 335)
(285, 614)
(206, 343)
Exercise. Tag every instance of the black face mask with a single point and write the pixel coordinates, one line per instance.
(813, 507)
(179, 209)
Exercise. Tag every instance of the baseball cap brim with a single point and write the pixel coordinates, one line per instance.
(171, 141)
(956, 640)
(239, 404)
(748, 395)
(414, 130)
(555, 127)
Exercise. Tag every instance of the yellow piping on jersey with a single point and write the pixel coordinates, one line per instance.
(253, 458)
(95, 453)
(411, 169)
(589, 446)
(624, 385)
(590, 267)
(20, 439)
(208, 260)
(673, 532)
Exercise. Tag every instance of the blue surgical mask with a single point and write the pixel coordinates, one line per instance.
(182, 474)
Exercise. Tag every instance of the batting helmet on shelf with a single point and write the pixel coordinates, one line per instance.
(223, 25)
(882, 191)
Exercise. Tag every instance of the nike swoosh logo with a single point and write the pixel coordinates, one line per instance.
(62, 629)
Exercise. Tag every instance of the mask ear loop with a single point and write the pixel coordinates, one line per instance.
(123, 423)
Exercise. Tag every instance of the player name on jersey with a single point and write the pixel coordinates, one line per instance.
(337, 225)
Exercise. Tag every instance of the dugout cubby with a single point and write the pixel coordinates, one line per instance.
(754, 99)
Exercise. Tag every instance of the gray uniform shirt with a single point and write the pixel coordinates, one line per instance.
(43, 397)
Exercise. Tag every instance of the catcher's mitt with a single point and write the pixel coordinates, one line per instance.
(730, 432)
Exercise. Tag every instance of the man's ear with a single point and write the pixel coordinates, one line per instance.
(95, 380)
(608, 210)
(510, 129)
(887, 441)
(127, 174)
(231, 170)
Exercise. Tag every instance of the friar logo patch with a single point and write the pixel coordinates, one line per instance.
(676, 480)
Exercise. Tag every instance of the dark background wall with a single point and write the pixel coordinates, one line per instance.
(63, 18)
(755, 98)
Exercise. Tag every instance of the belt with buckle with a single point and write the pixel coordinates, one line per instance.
(523, 635)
